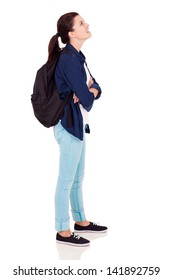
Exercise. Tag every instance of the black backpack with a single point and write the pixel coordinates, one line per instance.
(47, 105)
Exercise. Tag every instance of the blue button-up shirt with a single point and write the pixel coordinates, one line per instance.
(70, 76)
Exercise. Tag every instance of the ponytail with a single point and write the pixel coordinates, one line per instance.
(53, 48)
(64, 25)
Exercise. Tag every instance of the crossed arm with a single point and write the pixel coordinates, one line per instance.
(93, 90)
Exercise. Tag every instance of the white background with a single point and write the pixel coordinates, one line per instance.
(128, 182)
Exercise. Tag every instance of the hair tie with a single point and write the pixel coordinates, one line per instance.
(57, 35)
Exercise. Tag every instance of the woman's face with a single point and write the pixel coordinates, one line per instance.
(81, 29)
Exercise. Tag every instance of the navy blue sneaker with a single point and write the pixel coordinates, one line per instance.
(74, 240)
(92, 227)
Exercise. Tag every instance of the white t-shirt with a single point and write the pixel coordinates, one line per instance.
(83, 111)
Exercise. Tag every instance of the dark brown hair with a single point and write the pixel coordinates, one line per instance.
(64, 25)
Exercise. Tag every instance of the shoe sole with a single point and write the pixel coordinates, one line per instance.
(90, 231)
(73, 244)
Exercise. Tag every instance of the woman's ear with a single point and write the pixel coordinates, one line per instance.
(71, 34)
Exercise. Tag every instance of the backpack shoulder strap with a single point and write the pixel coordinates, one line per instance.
(88, 70)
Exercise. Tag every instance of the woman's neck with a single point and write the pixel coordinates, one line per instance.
(77, 44)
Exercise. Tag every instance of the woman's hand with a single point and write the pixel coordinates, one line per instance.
(90, 82)
(93, 90)
(75, 98)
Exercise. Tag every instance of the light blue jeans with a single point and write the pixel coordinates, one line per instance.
(69, 183)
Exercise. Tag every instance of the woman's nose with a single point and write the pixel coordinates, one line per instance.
(87, 25)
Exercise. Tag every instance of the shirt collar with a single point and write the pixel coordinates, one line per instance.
(79, 54)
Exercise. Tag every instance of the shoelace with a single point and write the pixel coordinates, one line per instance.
(75, 235)
(95, 224)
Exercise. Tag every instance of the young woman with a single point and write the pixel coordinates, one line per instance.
(72, 77)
